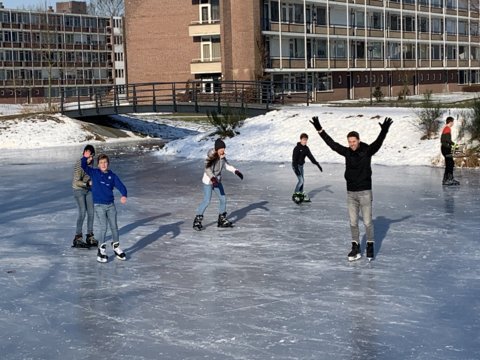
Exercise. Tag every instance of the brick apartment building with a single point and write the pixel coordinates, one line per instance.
(42, 53)
(338, 49)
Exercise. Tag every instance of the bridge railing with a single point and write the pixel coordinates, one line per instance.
(260, 94)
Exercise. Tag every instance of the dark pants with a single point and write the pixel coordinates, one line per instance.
(449, 165)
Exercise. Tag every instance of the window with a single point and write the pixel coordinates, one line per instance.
(377, 20)
(437, 52)
(451, 27)
(451, 52)
(337, 49)
(394, 50)
(408, 23)
(321, 48)
(274, 11)
(394, 22)
(437, 26)
(423, 51)
(296, 48)
(423, 24)
(321, 16)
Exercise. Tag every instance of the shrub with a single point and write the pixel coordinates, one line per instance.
(472, 121)
(378, 94)
(429, 115)
(227, 122)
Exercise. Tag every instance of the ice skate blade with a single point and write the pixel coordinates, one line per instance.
(197, 228)
(121, 258)
(102, 260)
(353, 258)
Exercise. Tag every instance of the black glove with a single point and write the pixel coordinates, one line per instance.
(386, 124)
(319, 167)
(214, 181)
(316, 123)
(239, 174)
(296, 170)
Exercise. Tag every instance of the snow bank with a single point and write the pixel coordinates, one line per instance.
(271, 137)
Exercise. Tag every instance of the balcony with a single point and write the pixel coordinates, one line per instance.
(213, 66)
(204, 29)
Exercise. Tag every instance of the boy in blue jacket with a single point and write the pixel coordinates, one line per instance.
(103, 182)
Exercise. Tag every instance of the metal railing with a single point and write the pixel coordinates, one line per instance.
(175, 96)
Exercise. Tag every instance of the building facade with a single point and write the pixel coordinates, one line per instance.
(335, 49)
(43, 54)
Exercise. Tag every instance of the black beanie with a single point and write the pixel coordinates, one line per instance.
(219, 144)
(90, 148)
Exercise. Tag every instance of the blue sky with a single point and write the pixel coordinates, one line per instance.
(13, 4)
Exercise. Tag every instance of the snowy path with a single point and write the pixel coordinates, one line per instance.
(277, 286)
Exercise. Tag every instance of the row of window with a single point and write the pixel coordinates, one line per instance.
(55, 56)
(354, 18)
(372, 50)
(322, 81)
(52, 38)
(66, 74)
(10, 17)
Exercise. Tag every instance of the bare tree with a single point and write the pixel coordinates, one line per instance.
(106, 7)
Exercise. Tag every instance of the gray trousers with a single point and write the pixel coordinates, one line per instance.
(84, 201)
(360, 201)
(106, 216)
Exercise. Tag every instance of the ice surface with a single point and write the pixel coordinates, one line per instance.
(276, 286)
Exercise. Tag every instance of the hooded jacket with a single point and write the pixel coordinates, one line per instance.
(358, 169)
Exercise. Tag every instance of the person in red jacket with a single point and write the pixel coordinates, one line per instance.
(447, 152)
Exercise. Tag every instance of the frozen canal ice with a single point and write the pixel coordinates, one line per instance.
(277, 286)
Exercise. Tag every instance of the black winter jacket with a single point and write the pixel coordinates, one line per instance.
(299, 153)
(358, 170)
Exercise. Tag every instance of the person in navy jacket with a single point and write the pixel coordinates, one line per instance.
(300, 152)
(103, 182)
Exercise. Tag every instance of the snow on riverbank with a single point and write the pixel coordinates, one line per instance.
(271, 137)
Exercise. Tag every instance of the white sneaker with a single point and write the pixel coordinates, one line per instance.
(118, 252)
(102, 253)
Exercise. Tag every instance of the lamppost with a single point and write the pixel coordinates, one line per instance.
(370, 50)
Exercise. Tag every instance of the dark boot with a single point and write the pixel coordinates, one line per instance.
(79, 243)
(355, 253)
(197, 222)
(223, 222)
(370, 251)
(90, 240)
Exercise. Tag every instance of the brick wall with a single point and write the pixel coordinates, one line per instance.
(158, 45)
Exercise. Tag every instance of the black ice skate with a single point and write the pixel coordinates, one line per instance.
(370, 251)
(79, 243)
(102, 253)
(197, 222)
(355, 253)
(223, 222)
(298, 197)
(118, 252)
(90, 240)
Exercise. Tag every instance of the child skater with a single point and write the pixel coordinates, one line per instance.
(212, 181)
(300, 152)
(103, 182)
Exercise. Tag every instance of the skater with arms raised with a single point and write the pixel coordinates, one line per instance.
(358, 174)
(300, 152)
(215, 163)
(103, 182)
